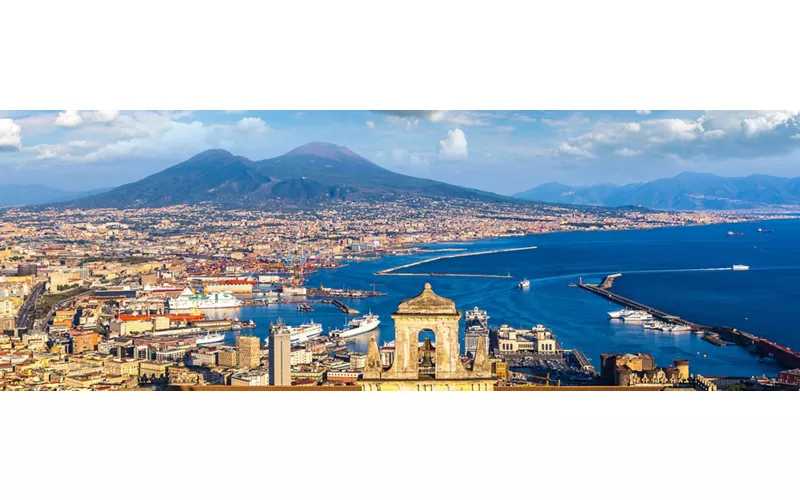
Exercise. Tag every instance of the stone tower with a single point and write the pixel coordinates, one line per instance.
(427, 311)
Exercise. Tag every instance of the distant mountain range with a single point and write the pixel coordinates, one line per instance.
(312, 173)
(687, 191)
(31, 194)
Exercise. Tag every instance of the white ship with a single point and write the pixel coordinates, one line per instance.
(618, 314)
(357, 326)
(637, 317)
(680, 329)
(305, 332)
(210, 338)
(740, 267)
(188, 300)
(525, 284)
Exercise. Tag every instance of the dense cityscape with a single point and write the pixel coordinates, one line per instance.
(110, 299)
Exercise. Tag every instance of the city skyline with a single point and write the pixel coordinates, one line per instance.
(500, 151)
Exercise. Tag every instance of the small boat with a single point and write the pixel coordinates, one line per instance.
(731, 233)
(525, 284)
(305, 308)
(740, 267)
(764, 230)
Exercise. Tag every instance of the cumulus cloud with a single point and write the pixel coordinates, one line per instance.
(10, 134)
(71, 119)
(454, 147)
(370, 124)
(99, 116)
(627, 152)
(68, 119)
(252, 125)
(725, 134)
(574, 151)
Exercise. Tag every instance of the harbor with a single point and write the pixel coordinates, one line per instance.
(719, 336)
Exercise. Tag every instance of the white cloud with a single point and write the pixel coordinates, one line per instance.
(574, 151)
(454, 147)
(99, 116)
(252, 125)
(10, 134)
(68, 119)
(71, 119)
(370, 124)
(404, 157)
(517, 117)
(555, 123)
(460, 118)
(627, 152)
(409, 123)
(643, 111)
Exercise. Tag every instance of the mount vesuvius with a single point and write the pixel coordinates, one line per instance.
(312, 173)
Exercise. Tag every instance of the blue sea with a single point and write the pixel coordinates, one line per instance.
(682, 270)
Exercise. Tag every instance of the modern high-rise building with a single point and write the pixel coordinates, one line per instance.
(280, 355)
(249, 351)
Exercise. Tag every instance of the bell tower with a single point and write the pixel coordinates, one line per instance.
(427, 311)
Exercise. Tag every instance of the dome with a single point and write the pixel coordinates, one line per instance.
(427, 302)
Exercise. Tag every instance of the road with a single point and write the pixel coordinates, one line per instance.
(25, 317)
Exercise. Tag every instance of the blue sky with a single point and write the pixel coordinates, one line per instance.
(501, 151)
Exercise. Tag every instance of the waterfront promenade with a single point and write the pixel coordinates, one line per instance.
(393, 271)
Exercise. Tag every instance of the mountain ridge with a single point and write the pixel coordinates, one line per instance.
(685, 191)
(312, 173)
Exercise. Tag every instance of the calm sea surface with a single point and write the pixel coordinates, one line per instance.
(678, 270)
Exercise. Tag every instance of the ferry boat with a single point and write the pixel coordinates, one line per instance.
(210, 338)
(305, 332)
(357, 326)
(637, 317)
(740, 267)
(525, 284)
(618, 314)
(731, 233)
(188, 300)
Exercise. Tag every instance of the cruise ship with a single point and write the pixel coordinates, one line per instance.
(305, 332)
(632, 315)
(357, 326)
(188, 300)
(525, 284)
(210, 338)
(740, 267)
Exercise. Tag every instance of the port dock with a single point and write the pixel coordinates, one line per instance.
(393, 271)
(342, 307)
(716, 335)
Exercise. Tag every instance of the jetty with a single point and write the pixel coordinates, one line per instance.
(393, 271)
(342, 307)
(713, 334)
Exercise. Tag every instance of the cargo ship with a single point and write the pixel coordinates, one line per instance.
(357, 326)
(305, 332)
(189, 300)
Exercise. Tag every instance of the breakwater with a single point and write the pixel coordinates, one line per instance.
(393, 271)
(713, 334)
